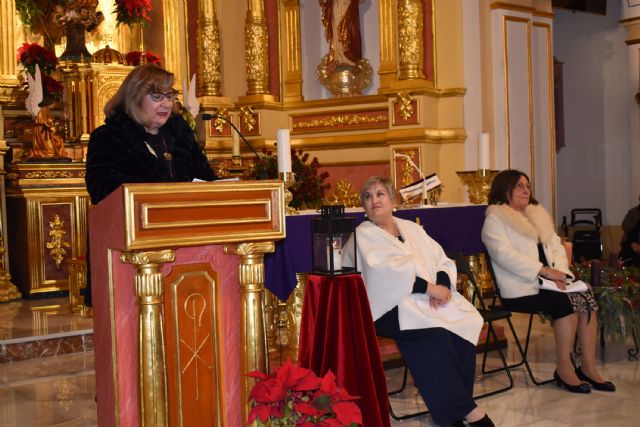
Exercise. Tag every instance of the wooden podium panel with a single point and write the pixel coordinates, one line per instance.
(204, 213)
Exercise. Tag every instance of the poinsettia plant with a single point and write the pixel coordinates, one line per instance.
(130, 12)
(295, 396)
(30, 54)
(136, 58)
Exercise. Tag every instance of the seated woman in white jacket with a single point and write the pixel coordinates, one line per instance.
(411, 289)
(523, 245)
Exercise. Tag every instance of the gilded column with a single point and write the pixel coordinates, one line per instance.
(253, 342)
(172, 31)
(256, 43)
(293, 63)
(8, 291)
(209, 75)
(8, 70)
(386, 21)
(152, 388)
(410, 40)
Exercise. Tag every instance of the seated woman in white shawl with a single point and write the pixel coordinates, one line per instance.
(409, 284)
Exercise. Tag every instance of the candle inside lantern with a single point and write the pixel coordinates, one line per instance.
(483, 151)
(284, 150)
(236, 144)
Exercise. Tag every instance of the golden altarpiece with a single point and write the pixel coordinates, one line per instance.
(259, 64)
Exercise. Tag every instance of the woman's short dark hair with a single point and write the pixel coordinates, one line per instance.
(139, 82)
(503, 184)
(385, 182)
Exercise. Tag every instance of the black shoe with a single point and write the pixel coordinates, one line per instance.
(581, 388)
(459, 423)
(483, 422)
(605, 386)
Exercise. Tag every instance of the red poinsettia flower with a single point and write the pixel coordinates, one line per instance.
(30, 54)
(296, 396)
(136, 58)
(130, 12)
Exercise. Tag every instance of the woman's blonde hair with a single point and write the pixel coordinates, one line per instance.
(139, 82)
(386, 182)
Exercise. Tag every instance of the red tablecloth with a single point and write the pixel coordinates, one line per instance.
(337, 333)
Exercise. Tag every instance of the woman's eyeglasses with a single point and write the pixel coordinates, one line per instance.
(522, 186)
(159, 96)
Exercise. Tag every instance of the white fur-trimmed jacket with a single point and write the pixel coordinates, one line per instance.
(512, 242)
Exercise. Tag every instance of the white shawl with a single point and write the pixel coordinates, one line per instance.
(389, 268)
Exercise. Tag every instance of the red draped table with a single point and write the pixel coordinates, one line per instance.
(337, 334)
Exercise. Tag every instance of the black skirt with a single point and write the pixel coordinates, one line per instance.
(551, 303)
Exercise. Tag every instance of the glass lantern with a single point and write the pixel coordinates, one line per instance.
(329, 236)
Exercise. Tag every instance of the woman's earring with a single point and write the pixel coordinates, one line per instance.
(394, 210)
(365, 215)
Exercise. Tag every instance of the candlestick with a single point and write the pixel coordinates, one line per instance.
(284, 150)
(483, 151)
(236, 144)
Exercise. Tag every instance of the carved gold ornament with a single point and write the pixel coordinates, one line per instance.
(343, 195)
(341, 120)
(218, 123)
(248, 118)
(405, 105)
(57, 244)
(345, 80)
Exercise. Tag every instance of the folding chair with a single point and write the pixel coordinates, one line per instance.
(523, 352)
(489, 315)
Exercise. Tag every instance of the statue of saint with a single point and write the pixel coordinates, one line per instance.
(46, 144)
(341, 22)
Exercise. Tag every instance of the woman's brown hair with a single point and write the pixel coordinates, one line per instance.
(139, 82)
(503, 184)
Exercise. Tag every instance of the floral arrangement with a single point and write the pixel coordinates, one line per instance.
(31, 54)
(618, 296)
(294, 396)
(308, 192)
(130, 12)
(136, 58)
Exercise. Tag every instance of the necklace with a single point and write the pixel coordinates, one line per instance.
(395, 232)
(167, 155)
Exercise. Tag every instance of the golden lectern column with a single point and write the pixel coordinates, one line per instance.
(152, 381)
(253, 340)
(410, 40)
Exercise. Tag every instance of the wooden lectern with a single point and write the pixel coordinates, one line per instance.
(174, 335)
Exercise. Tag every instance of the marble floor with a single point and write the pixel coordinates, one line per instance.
(59, 390)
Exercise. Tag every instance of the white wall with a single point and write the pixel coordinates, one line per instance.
(594, 168)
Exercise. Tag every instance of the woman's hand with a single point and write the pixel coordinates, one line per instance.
(556, 276)
(438, 295)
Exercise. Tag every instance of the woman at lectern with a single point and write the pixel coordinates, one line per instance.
(523, 245)
(408, 279)
(141, 139)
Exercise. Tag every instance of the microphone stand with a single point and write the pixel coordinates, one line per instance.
(262, 171)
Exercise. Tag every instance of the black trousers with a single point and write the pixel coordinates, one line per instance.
(442, 364)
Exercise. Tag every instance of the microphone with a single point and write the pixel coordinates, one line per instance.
(262, 172)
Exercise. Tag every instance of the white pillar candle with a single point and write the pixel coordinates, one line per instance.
(236, 144)
(483, 151)
(284, 150)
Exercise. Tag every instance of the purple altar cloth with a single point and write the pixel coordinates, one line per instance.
(456, 228)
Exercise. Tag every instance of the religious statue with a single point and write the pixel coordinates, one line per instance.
(46, 144)
(343, 70)
(341, 22)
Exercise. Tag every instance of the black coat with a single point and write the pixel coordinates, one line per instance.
(118, 154)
